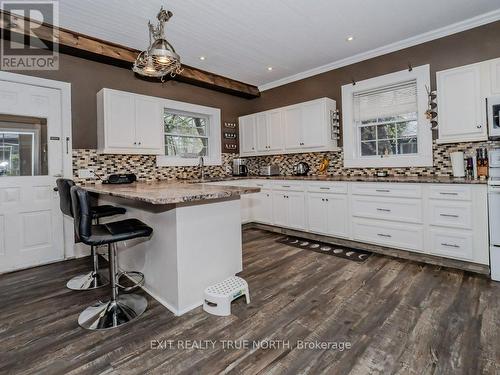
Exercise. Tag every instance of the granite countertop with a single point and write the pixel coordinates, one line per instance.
(169, 192)
(400, 179)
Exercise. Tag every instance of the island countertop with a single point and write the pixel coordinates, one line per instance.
(169, 192)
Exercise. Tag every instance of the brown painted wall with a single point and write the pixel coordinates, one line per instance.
(88, 77)
(464, 48)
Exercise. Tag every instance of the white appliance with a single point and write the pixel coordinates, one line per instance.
(457, 164)
(493, 105)
(494, 212)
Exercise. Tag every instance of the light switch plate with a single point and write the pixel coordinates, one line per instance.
(86, 173)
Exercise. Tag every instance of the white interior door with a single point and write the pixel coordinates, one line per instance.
(31, 224)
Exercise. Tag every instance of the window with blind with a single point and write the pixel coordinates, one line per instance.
(384, 122)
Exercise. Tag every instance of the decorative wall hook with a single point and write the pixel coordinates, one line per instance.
(410, 68)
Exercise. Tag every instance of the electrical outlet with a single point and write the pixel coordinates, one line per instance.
(86, 173)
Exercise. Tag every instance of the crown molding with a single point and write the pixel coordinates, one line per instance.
(454, 28)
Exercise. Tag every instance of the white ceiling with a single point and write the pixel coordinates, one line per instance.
(241, 38)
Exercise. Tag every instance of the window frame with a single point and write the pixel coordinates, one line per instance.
(351, 134)
(213, 116)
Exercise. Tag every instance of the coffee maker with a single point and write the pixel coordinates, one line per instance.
(240, 167)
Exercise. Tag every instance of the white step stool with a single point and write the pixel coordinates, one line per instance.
(218, 297)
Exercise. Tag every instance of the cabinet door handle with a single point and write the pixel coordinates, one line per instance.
(443, 193)
(285, 186)
(135, 143)
(479, 126)
(383, 209)
(382, 191)
(384, 235)
(324, 188)
(448, 215)
(450, 245)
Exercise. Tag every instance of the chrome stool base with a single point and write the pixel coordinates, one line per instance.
(90, 280)
(112, 314)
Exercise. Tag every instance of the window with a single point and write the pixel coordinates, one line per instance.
(186, 135)
(190, 131)
(23, 146)
(384, 121)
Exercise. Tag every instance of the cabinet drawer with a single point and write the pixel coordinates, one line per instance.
(395, 209)
(451, 214)
(390, 190)
(451, 243)
(333, 188)
(451, 192)
(288, 186)
(404, 236)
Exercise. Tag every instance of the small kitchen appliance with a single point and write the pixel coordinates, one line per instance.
(118, 179)
(493, 105)
(240, 167)
(270, 170)
(494, 212)
(301, 169)
(457, 164)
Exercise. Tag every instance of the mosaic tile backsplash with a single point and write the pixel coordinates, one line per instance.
(144, 166)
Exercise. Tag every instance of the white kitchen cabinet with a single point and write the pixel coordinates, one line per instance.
(289, 209)
(292, 117)
(327, 213)
(461, 105)
(248, 141)
(269, 131)
(128, 123)
(262, 207)
(447, 220)
(314, 115)
(149, 123)
(296, 210)
(304, 127)
(280, 209)
(494, 66)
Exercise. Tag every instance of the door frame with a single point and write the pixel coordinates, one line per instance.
(65, 90)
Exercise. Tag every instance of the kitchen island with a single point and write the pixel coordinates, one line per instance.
(196, 239)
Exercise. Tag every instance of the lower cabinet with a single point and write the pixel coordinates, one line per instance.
(397, 235)
(262, 207)
(289, 209)
(452, 243)
(447, 220)
(327, 214)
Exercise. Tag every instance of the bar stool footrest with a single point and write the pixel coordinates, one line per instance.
(136, 277)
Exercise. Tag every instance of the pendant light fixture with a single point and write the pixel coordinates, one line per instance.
(160, 59)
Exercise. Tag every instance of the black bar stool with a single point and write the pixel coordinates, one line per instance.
(120, 309)
(96, 278)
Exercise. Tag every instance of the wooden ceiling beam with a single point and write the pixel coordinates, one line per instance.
(84, 46)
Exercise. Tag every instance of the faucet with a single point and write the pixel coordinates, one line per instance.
(201, 164)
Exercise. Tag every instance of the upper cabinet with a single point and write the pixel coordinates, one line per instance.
(303, 127)
(462, 94)
(128, 123)
(495, 76)
(460, 105)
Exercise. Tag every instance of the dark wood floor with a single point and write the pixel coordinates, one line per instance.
(400, 317)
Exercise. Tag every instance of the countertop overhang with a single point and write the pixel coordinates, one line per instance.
(169, 192)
